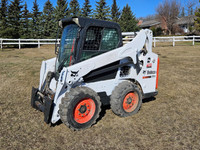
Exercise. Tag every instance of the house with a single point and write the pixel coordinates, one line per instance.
(184, 23)
(148, 24)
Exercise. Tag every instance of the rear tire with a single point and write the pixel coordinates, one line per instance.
(80, 108)
(126, 99)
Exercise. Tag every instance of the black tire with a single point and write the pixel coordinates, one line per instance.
(71, 102)
(117, 100)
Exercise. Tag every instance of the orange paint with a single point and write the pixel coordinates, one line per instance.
(146, 77)
(157, 74)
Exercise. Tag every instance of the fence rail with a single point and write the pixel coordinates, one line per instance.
(174, 39)
(127, 37)
(28, 42)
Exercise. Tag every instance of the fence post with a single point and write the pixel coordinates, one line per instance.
(38, 43)
(154, 40)
(173, 41)
(193, 40)
(19, 44)
(1, 43)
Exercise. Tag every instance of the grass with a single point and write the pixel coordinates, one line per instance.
(170, 44)
(171, 121)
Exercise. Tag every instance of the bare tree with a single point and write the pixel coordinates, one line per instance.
(168, 12)
(190, 4)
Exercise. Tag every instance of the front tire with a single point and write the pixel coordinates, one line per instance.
(126, 99)
(80, 108)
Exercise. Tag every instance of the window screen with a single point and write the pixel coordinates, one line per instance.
(99, 40)
(93, 38)
(110, 39)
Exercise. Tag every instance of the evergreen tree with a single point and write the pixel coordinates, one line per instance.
(127, 20)
(3, 18)
(74, 8)
(182, 12)
(102, 10)
(61, 10)
(36, 21)
(25, 23)
(197, 21)
(196, 10)
(14, 19)
(48, 20)
(86, 10)
(115, 13)
(191, 11)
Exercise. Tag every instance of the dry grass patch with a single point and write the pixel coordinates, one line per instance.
(171, 121)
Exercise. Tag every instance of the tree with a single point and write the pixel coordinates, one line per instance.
(14, 19)
(102, 10)
(157, 31)
(3, 18)
(182, 12)
(168, 12)
(36, 21)
(127, 20)
(190, 7)
(74, 8)
(197, 20)
(48, 20)
(25, 23)
(115, 13)
(86, 10)
(61, 9)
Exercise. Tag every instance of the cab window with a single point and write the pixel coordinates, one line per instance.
(99, 40)
(110, 39)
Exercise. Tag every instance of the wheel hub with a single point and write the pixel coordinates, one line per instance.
(129, 100)
(83, 109)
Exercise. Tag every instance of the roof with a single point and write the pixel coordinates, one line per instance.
(82, 22)
(186, 20)
(180, 21)
(149, 23)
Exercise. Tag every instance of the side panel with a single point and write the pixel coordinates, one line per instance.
(48, 65)
(101, 74)
(104, 86)
(148, 73)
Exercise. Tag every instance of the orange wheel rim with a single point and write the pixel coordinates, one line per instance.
(130, 102)
(84, 110)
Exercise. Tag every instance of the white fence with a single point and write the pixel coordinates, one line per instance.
(28, 42)
(174, 39)
(128, 36)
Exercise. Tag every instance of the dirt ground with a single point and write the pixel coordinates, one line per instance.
(170, 121)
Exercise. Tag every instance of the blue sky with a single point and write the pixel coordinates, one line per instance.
(140, 8)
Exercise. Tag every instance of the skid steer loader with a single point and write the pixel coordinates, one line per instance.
(92, 68)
